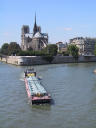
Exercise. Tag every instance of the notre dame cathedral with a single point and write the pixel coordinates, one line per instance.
(36, 40)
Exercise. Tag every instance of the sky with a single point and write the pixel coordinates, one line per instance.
(61, 19)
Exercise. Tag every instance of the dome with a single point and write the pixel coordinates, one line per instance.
(37, 35)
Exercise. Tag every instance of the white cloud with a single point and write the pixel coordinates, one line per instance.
(68, 29)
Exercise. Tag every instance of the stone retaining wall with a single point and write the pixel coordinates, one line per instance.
(37, 60)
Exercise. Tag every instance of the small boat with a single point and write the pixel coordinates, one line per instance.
(36, 92)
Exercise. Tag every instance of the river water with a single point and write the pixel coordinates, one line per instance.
(72, 87)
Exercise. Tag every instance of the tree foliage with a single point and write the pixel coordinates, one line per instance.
(14, 48)
(51, 49)
(73, 50)
(32, 53)
(95, 50)
(10, 49)
(4, 49)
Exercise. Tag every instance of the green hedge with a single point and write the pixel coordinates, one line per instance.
(32, 53)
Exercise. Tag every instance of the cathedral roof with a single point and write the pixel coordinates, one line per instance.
(38, 35)
(28, 35)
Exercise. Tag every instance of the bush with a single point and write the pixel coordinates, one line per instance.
(26, 53)
(73, 50)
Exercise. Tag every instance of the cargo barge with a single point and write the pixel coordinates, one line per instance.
(35, 91)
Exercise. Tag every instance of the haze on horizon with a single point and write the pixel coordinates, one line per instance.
(61, 19)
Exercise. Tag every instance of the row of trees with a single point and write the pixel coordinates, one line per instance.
(10, 49)
(51, 50)
(14, 49)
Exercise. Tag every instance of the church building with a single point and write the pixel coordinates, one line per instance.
(35, 40)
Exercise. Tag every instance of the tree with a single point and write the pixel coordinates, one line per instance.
(51, 49)
(73, 50)
(4, 49)
(14, 48)
(95, 50)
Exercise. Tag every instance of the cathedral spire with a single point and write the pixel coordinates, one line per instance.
(35, 29)
(35, 19)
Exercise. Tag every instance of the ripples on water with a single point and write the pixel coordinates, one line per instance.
(72, 86)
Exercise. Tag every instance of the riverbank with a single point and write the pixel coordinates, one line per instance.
(38, 60)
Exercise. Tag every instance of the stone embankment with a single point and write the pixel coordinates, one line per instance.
(37, 60)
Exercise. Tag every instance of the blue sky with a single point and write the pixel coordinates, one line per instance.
(61, 19)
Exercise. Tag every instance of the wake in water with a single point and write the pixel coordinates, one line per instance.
(22, 77)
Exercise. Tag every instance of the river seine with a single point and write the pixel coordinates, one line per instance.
(72, 87)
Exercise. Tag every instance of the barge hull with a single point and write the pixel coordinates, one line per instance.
(35, 91)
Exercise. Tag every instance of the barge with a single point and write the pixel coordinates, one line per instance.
(35, 91)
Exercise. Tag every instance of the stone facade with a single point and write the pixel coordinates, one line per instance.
(79, 42)
(86, 45)
(61, 47)
(36, 40)
(89, 46)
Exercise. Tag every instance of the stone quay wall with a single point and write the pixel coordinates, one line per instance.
(37, 60)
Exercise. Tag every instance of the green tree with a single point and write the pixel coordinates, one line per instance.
(4, 49)
(95, 50)
(51, 49)
(73, 50)
(14, 48)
